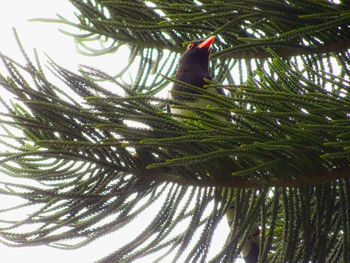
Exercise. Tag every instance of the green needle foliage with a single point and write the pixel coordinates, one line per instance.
(281, 156)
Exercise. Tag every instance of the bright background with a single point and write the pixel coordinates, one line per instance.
(47, 39)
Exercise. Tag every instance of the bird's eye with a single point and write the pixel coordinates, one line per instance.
(190, 46)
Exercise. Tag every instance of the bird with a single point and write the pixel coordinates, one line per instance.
(193, 69)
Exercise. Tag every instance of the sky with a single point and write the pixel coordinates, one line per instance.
(47, 39)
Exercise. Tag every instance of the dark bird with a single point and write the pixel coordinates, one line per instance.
(193, 68)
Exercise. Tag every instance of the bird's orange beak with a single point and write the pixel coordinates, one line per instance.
(206, 43)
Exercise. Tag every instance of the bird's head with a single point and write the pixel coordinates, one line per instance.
(197, 55)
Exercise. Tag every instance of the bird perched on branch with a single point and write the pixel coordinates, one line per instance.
(193, 69)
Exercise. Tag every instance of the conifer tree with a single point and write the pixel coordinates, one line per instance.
(282, 160)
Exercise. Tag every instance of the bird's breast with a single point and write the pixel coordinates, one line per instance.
(196, 103)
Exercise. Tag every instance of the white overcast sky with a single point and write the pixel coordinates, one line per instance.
(46, 38)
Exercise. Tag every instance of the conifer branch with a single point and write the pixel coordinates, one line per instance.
(281, 156)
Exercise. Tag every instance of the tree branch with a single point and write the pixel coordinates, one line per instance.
(284, 50)
(239, 182)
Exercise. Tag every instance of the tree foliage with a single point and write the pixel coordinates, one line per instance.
(282, 159)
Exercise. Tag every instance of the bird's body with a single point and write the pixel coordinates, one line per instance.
(193, 69)
(198, 103)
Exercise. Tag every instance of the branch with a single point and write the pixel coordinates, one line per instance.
(284, 50)
(231, 181)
